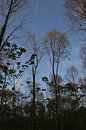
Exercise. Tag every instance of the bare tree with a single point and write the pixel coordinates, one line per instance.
(83, 56)
(56, 45)
(72, 73)
(8, 8)
(76, 14)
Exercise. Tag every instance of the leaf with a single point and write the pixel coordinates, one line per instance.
(18, 63)
(22, 50)
(14, 46)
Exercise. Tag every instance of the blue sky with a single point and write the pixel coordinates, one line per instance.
(47, 15)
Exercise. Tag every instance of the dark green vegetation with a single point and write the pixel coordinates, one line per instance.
(72, 120)
(64, 107)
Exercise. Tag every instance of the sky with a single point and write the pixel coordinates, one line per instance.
(47, 15)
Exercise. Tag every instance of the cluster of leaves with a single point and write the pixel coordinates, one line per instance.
(11, 67)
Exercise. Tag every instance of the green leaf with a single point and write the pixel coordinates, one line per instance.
(23, 50)
(18, 63)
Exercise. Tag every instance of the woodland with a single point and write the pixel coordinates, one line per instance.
(64, 107)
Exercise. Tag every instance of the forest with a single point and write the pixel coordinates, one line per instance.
(53, 102)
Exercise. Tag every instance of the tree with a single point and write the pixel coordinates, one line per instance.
(52, 87)
(83, 56)
(36, 56)
(76, 14)
(72, 73)
(11, 69)
(71, 95)
(82, 82)
(56, 45)
(8, 8)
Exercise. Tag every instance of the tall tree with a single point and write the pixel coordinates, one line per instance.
(36, 55)
(56, 45)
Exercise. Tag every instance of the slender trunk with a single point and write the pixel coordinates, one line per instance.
(34, 108)
(14, 98)
(33, 91)
(55, 87)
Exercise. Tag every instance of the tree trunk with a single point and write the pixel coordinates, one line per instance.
(34, 108)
